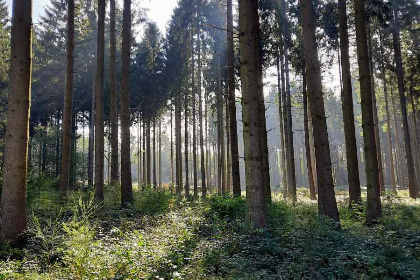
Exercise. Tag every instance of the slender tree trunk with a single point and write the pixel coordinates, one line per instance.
(373, 209)
(194, 126)
(172, 150)
(348, 113)
(91, 148)
(139, 153)
(144, 152)
(397, 139)
(57, 145)
(327, 204)
(252, 104)
(280, 81)
(286, 178)
(234, 151)
(228, 157)
(412, 186)
(13, 196)
(220, 133)
(178, 151)
(154, 153)
(67, 110)
(126, 180)
(160, 153)
(200, 116)
(115, 176)
(148, 155)
(99, 106)
(187, 184)
(375, 113)
(388, 122)
(307, 143)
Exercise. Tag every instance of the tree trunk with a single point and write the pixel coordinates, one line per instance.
(234, 151)
(172, 150)
(311, 182)
(67, 110)
(412, 186)
(373, 209)
(187, 184)
(99, 106)
(200, 116)
(115, 176)
(194, 126)
(148, 155)
(220, 133)
(327, 204)
(347, 106)
(252, 104)
(388, 122)
(178, 155)
(154, 153)
(126, 180)
(160, 153)
(13, 196)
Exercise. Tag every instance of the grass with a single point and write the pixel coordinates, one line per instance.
(164, 237)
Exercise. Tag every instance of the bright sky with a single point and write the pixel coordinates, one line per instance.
(159, 11)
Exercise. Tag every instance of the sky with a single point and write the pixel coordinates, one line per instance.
(159, 11)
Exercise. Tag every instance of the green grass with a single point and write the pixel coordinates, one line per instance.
(163, 237)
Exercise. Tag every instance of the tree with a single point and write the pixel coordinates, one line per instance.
(13, 196)
(234, 152)
(327, 204)
(67, 110)
(99, 105)
(347, 105)
(252, 104)
(115, 174)
(126, 181)
(373, 208)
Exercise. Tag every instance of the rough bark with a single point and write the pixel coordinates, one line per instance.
(327, 204)
(115, 174)
(68, 99)
(13, 196)
(373, 208)
(126, 180)
(347, 106)
(234, 151)
(412, 186)
(252, 104)
(99, 106)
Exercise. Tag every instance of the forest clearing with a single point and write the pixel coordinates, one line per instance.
(209, 139)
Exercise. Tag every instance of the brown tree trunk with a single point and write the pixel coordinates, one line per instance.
(311, 182)
(194, 126)
(148, 154)
(172, 150)
(388, 122)
(373, 209)
(115, 174)
(252, 104)
(68, 99)
(200, 116)
(126, 180)
(178, 152)
(327, 204)
(160, 153)
(187, 184)
(154, 153)
(348, 114)
(13, 196)
(99, 106)
(412, 186)
(234, 151)
(220, 133)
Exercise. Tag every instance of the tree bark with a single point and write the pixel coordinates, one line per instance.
(99, 106)
(348, 113)
(200, 116)
(373, 209)
(68, 99)
(327, 204)
(115, 174)
(15, 167)
(234, 151)
(154, 154)
(252, 104)
(412, 186)
(126, 180)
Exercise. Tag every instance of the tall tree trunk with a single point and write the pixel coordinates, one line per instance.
(307, 143)
(375, 113)
(388, 121)
(13, 196)
(99, 106)
(280, 82)
(397, 138)
(126, 180)
(139, 152)
(187, 184)
(115, 174)
(67, 110)
(154, 153)
(412, 186)
(91, 148)
(178, 152)
(148, 155)
(144, 152)
(373, 209)
(234, 151)
(160, 153)
(347, 106)
(252, 104)
(228, 157)
(57, 145)
(286, 178)
(200, 117)
(194, 126)
(220, 133)
(172, 150)
(327, 204)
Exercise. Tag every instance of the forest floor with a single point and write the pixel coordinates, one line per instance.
(162, 237)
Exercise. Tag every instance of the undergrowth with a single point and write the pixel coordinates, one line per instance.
(165, 237)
